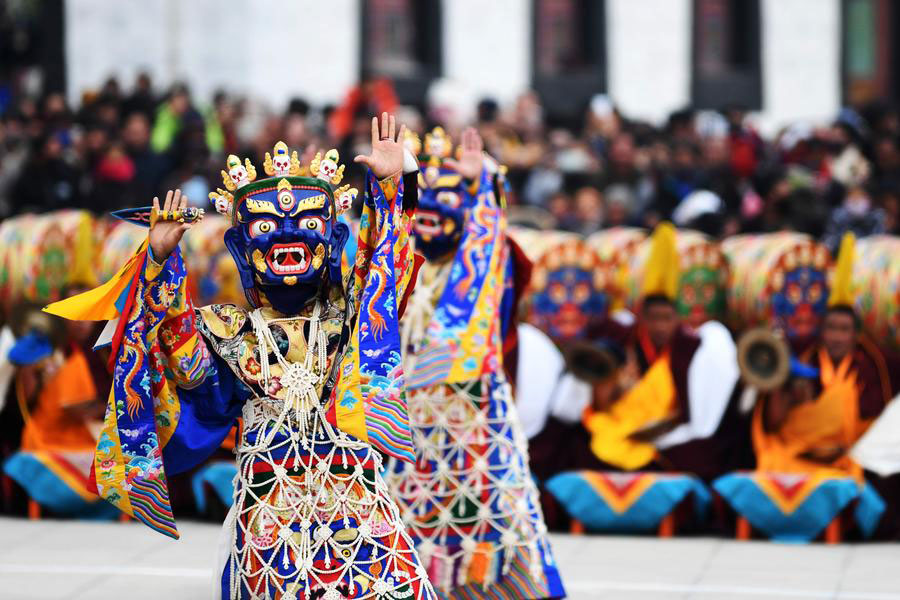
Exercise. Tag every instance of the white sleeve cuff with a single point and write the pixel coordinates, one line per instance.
(410, 164)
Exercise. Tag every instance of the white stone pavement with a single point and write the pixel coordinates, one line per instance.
(78, 560)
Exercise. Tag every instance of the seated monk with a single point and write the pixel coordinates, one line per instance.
(814, 426)
(664, 410)
(814, 423)
(61, 398)
(62, 407)
(804, 431)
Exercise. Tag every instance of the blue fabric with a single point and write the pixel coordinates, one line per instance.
(51, 492)
(551, 574)
(868, 511)
(805, 523)
(508, 300)
(585, 504)
(220, 476)
(30, 348)
(208, 412)
(801, 369)
(350, 246)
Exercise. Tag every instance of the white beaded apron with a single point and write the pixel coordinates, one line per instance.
(469, 501)
(312, 517)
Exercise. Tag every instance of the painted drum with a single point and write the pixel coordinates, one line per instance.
(617, 247)
(570, 287)
(777, 280)
(41, 254)
(702, 279)
(876, 283)
(121, 242)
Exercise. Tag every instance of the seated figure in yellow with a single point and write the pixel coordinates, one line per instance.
(663, 407)
(805, 430)
(58, 420)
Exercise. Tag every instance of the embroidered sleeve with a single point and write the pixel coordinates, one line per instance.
(170, 307)
(152, 353)
(369, 399)
(463, 340)
(385, 214)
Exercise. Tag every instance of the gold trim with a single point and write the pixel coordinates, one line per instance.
(262, 207)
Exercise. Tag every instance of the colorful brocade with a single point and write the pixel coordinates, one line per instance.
(469, 500)
(460, 343)
(369, 400)
(156, 348)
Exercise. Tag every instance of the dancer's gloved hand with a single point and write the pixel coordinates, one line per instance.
(165, 234)
(471, 160)
(386, 158)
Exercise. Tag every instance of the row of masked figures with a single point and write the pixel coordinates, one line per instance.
(382, 379)
(666, 379)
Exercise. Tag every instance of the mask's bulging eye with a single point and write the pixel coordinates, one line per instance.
(449, 199)
(312, 224)
(262, 227)
(285, 200)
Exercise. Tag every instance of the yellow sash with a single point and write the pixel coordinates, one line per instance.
(650, 401)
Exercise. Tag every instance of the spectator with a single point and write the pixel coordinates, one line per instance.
(149, 167)
(47, 181)
(588, 210)
(172, 117)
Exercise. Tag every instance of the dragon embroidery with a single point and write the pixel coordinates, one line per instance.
(379, 269)
(131, 354)
(482, 223)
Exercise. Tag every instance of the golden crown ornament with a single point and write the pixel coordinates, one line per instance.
(280, 163)
(237, 175)
(326, 168)
(438, 143)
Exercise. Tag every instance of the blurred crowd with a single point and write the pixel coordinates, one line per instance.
(709, 170)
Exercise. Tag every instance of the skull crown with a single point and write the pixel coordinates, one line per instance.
(327, 168)
(281, 162)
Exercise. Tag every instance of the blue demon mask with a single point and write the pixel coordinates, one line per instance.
(285, 239)
(441, 213)
(799, 302)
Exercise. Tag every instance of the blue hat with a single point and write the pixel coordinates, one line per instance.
(803, 370)
(30, 348)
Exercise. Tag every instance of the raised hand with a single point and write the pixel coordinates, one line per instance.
(386, 158)
(471, 160)
(165, 233)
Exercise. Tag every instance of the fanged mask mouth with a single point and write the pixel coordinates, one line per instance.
(428, 222)
(288, 259)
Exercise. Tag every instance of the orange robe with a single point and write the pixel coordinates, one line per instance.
(831, 421)
(49, 428)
